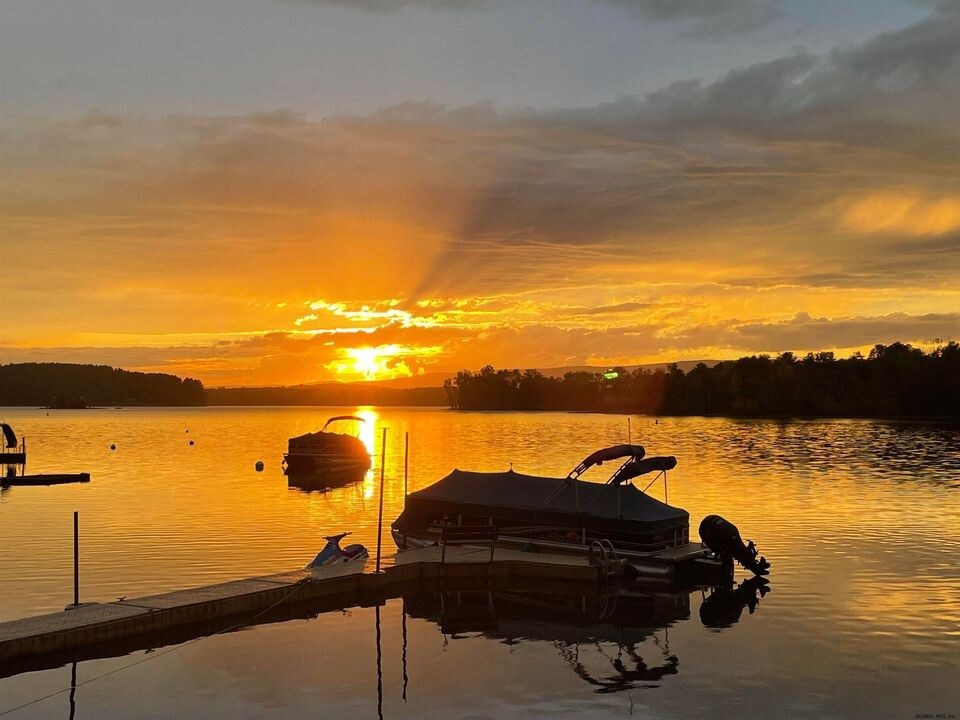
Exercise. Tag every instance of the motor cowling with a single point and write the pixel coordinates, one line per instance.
(722, 536)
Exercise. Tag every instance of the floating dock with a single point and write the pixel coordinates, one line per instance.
(45, 479)
(95, 629)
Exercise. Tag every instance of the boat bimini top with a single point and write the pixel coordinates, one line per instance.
(342, 418)
(635, 465)
(9, 436)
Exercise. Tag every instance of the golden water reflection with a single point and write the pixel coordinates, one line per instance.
(859, 518)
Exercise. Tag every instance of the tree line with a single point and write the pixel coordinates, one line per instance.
(896, 380)
(327, 394)
(64, 385)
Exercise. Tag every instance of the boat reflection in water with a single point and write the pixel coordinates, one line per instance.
(324, 481)
(615, 640)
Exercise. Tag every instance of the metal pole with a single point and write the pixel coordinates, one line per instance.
(665, 499)
(629, 434)
(383, 456)
(379, 665)
(403, 609)
(76, 557)
(406, 467)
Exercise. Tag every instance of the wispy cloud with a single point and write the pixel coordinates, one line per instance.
(699, 20)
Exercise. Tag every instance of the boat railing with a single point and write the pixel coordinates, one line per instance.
(469, 535)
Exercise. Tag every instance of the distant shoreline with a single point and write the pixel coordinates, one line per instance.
(621, 413)
(896, 381)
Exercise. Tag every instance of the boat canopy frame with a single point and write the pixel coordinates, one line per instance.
(634, 466)
(338, 418)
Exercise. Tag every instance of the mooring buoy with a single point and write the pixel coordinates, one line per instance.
(113, 447)
(259, 466)
(191, 442)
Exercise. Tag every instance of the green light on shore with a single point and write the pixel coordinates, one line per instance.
(611, 375)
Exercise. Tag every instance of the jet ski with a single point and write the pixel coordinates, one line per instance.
(333, 554)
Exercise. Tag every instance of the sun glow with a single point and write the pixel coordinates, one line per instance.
(367, 361)
(382, 362)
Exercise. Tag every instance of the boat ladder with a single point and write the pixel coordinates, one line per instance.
(606, 554)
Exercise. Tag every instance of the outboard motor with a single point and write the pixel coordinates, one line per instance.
(723, 538)
(333, 554)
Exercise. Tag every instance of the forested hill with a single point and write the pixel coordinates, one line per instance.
(893, 381)
(327, 394)
(64, 385)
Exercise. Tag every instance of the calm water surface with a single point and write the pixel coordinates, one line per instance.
(861, 520)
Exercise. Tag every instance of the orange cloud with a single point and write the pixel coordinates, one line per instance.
(905, 212)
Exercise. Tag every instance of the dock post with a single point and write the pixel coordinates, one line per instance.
(76, 557)
(383, 456)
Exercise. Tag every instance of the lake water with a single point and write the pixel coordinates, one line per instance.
(860, 519)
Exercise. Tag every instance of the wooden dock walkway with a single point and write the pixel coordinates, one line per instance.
(53, 639)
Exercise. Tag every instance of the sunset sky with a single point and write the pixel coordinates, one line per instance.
(263, 192)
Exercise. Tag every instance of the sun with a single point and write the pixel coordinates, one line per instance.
(383, 362)
(367, 361)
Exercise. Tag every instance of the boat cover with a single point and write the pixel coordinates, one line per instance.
(528, 493)
(9, 436)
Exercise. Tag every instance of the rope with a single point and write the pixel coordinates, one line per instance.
(297, 586)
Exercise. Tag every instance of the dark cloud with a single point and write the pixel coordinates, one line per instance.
(707, 20)
(701, 20)
(804, 332)
(626, 307)
(393, 6)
